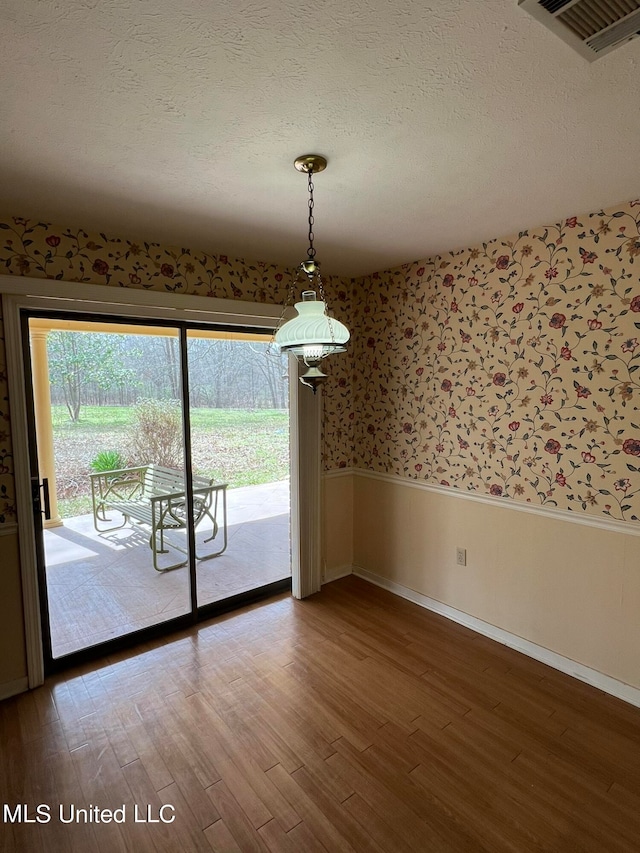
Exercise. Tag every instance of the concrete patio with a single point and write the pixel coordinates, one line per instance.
(102, 586)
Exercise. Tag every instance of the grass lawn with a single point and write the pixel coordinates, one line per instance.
(232, 446)
(101, 418)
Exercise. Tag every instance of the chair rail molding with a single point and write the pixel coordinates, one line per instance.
(631, 528)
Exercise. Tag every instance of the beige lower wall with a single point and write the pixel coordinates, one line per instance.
(572, 589)
(337, 525)
(13, 660)
(569, 588)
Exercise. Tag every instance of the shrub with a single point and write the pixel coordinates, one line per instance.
(108, 460)
(157, 433)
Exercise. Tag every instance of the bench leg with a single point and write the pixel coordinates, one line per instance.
(215, 528)
(153, 544)
(100, 515)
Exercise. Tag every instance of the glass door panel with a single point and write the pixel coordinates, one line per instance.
(239, 417)
(109, 434)
(166, 454)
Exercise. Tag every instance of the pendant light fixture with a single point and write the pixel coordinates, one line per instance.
(312, 335)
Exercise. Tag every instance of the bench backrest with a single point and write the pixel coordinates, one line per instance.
(159, 480)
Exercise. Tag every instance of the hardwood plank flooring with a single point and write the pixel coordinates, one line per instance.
(353, 721)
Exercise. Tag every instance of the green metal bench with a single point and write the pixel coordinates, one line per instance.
(154, 496)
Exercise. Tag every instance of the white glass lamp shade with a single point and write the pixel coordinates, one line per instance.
(312, 335)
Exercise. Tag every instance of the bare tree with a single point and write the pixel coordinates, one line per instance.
(79, 360)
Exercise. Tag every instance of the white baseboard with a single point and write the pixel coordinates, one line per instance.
(570, 667)
(11, 688)
(336, 573)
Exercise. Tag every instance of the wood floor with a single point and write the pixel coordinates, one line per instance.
(353, 721)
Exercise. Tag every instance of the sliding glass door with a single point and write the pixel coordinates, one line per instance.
(164, 453)
(239, 409)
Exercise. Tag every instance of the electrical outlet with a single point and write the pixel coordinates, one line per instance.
(461, 556)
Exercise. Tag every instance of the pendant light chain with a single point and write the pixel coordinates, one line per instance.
(311, 252)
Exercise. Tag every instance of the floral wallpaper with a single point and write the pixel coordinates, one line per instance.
(41, 250)
(510, 368)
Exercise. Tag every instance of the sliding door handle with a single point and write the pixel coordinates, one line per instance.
(45, 498)
(44, 505)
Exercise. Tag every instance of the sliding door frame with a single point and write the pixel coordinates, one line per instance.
(25, 294)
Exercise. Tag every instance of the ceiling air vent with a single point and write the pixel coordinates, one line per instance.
(592, 27)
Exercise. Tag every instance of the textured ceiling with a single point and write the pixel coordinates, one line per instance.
(445, 123)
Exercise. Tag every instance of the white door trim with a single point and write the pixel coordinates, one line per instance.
(22, 474)
(143, 304)
(305, 482)
(43, 294)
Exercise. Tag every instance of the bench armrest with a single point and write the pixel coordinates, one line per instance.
(120, 484)
(117, 472)
(198, 491)
(170, 509)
